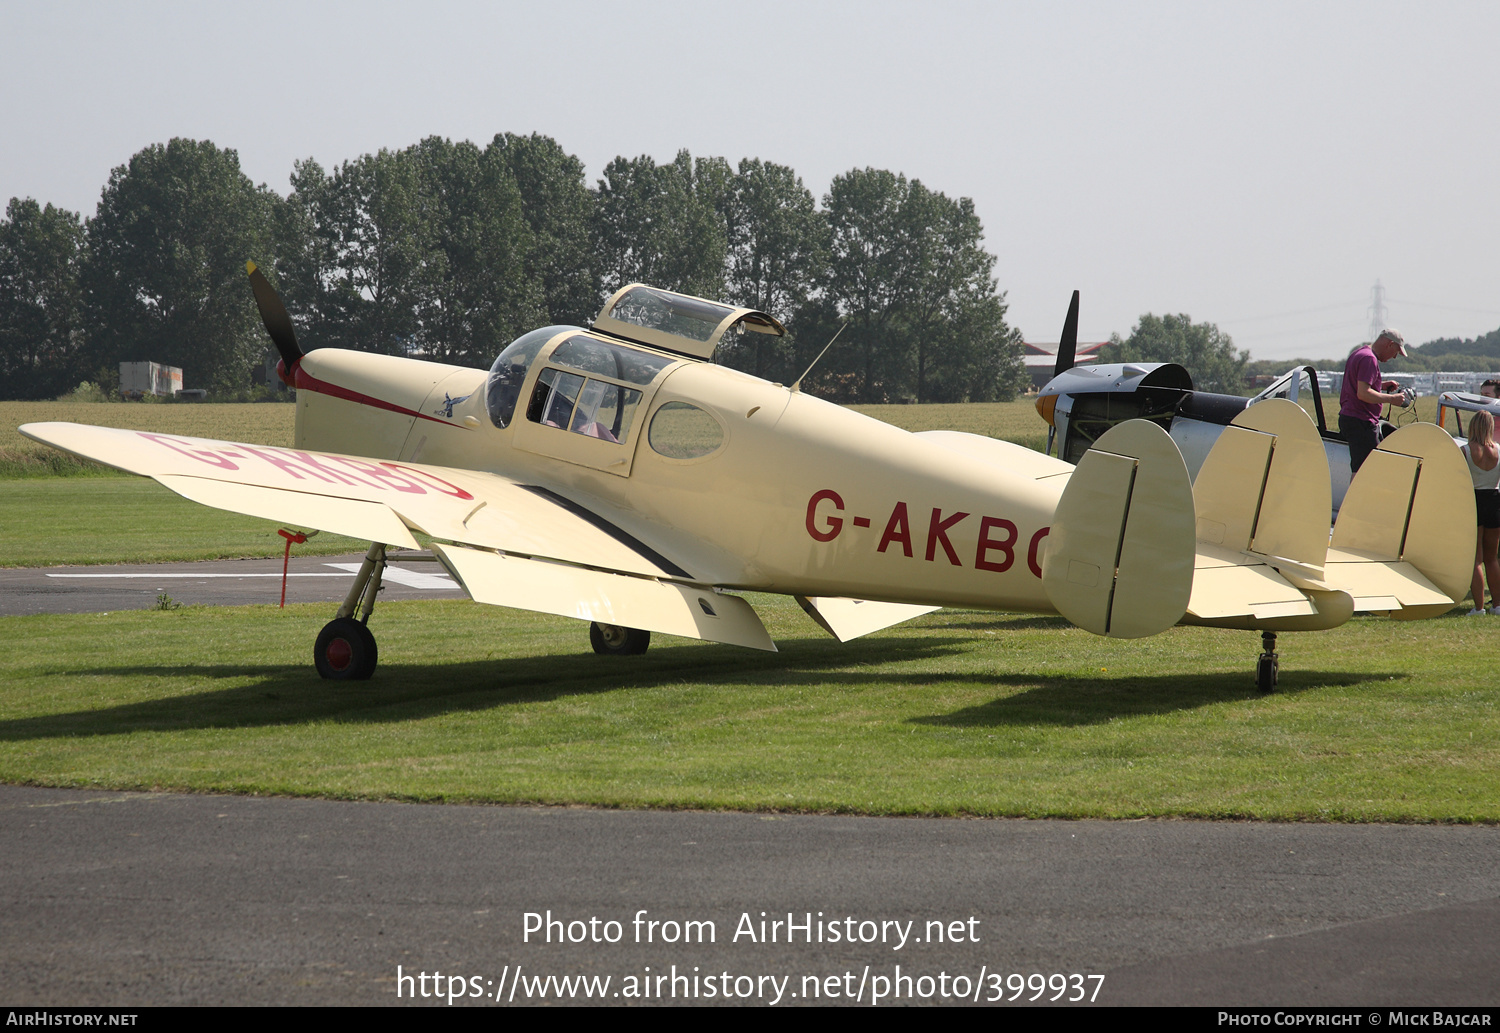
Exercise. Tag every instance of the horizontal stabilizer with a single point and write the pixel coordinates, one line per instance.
(1119, 557)
(1375, 583)
(847, 619)
(1226, 584)
(592, 595)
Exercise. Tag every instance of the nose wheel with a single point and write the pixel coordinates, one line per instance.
(1268, 667)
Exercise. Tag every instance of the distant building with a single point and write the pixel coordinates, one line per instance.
(138, 379)
(1041, 359)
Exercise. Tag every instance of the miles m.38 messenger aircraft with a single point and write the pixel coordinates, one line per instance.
(617, 475)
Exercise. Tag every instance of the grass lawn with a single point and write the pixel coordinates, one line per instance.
(45, 521)
(960, 712)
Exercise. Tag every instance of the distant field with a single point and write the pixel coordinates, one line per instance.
(958, 712)
(46, 521)
(261, 424)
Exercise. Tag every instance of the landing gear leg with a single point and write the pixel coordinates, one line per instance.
(1268, 667)
(346, 649)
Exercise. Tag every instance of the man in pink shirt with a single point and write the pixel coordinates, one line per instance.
(1363, 393)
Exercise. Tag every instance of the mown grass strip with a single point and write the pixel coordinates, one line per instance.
(960, 712)
(47, 521)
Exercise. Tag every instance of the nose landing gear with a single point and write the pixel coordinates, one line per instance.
(1267, 668)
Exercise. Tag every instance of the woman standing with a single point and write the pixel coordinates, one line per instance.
(1484, 467)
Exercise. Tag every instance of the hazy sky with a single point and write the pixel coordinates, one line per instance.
(1254, 165)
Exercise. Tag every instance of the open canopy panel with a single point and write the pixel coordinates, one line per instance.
(677, 323)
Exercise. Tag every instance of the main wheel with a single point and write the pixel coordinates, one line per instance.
(1267, 669)
(345, 651)
(613, 640)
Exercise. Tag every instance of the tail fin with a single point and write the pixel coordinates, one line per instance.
(1404, 541)
(1263, 498)
(1120, 556)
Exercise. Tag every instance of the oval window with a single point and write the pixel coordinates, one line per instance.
(682, 431)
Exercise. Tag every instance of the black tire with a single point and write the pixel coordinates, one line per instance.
(613, 640)
(1266, 672)
(345, 651)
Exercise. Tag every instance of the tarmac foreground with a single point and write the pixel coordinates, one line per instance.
(155, 899)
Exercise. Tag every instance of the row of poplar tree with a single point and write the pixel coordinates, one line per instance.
(448, 251)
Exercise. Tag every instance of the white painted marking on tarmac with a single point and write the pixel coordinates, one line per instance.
(409, 578)
(190, 577)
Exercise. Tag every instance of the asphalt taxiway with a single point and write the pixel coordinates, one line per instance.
(145, 898)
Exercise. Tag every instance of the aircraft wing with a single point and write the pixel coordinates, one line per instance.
(513, 544)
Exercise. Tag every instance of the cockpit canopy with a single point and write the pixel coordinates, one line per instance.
(677, 323)
(592, 377)
(509, 371)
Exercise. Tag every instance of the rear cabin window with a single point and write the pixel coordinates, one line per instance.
(683, 431)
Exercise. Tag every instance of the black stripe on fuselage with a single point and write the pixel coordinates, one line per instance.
(616, 532)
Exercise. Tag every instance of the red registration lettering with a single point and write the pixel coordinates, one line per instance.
(446, 487)
(1033, 559)
(937, 532)
(200, 454)
(394, 480)
(897, 529)
(835, 524)
(1006, 547)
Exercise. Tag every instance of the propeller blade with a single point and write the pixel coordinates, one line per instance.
(274, 315)
(1068, 346)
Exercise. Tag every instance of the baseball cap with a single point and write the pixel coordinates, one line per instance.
(1394, 336)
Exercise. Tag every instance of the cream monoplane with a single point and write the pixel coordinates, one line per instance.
(617, 475)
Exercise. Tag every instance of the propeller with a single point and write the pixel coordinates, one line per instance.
(1067, 348)
(274, 314)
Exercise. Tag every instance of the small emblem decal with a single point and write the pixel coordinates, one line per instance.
(446, 409)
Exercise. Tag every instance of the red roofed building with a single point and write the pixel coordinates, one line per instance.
(1041, 359)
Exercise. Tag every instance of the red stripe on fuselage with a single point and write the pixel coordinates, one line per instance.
(303, 380)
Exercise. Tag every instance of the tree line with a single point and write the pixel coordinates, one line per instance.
(448, 251)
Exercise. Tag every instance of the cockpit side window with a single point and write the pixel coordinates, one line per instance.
(584, 405)
(510, 369)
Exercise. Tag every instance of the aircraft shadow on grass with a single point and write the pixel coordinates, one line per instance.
(291, 694)
(1073, 701)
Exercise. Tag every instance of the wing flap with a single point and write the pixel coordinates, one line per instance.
(847, 619)
(592, 595)
(370, 521)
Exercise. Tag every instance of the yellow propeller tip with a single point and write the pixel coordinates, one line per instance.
(249, 267)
